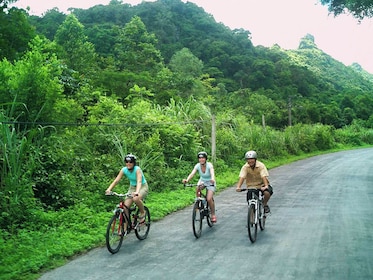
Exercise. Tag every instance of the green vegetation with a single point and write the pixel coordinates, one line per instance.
(80, 91)
(358, 8)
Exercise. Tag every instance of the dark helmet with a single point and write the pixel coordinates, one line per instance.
(202, 155)
(251, 154)
(130, 158)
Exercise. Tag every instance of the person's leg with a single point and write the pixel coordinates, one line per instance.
(128, 202)
(139, 199)
(267, 195)
(210, 200)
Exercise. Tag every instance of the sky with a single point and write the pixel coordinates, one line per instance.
(282, 22)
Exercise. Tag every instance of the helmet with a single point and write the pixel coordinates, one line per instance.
(251, 154)
(130, 158)
(202, 155)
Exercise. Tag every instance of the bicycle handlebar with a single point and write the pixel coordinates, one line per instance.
(246, 189)
(197, 185)
(121, 194)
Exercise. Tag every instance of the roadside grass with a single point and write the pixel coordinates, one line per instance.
(64, 235)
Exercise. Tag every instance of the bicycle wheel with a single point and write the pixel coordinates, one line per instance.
(115, 233)
(142, 229)
(262, 217)
(208, 216)
(197, 220)
(252, 227)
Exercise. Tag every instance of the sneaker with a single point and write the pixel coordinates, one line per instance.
(266, 209)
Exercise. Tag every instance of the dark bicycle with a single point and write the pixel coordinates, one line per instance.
(201, 210)
(123, 222)
(256, 215)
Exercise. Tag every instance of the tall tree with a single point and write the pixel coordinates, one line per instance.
(15, 33)
(33, 83)
(186, 63)
(77, 52)
(136, 50)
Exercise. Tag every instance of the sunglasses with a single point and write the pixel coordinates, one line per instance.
(129, 161)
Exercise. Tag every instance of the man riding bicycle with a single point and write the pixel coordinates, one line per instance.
(256, 174)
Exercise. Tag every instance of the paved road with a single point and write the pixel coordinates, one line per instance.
(321, 227)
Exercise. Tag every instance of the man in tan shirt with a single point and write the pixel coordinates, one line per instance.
(256, 175)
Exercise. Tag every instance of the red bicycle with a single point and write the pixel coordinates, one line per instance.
(123, 222)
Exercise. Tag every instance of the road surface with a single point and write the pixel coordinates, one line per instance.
(320, 227)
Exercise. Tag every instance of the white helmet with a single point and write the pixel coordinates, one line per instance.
(251, 154)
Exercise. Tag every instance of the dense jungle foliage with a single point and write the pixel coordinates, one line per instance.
(80, 91)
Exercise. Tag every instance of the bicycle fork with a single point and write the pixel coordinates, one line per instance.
(255, 203)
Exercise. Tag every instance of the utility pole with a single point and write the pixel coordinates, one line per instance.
(213, 139)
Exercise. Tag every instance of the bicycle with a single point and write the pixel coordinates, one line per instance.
(256, 214)
(123, 222)
(201, 210)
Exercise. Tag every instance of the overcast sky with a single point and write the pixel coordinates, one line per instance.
(282, 22)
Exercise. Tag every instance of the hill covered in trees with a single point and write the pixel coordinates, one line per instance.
(189, 41)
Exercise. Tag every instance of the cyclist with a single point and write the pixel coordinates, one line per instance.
(256, 174)
(207, 177)
(138, 185)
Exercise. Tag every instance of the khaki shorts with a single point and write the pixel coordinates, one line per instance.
(144, 190)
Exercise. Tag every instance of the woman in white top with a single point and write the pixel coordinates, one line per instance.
(207, 177)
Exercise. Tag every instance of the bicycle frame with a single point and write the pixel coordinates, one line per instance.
(255, 200)
(121, 207)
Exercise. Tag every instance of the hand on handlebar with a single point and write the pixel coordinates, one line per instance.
(238, 190)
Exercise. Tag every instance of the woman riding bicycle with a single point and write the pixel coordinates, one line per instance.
(207, 177)
(256, 174)
(138, 185)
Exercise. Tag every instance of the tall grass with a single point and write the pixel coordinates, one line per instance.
(15, 191)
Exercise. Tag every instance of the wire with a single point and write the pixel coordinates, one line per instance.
(99, 124)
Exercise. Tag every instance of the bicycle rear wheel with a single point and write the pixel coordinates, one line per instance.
(115, 233)
(197, 219)
(142, 229)
(262, 218)
(252, 227)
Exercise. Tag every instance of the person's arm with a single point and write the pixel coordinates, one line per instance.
(138, 181)
(190, 176)
(212, 172)
(242, 177)
(239, 184)
(115, 182)
(266, 183)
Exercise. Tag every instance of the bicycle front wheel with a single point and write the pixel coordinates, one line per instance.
(252, 226)
(115, 233)
(142, 229)
(197, 220)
